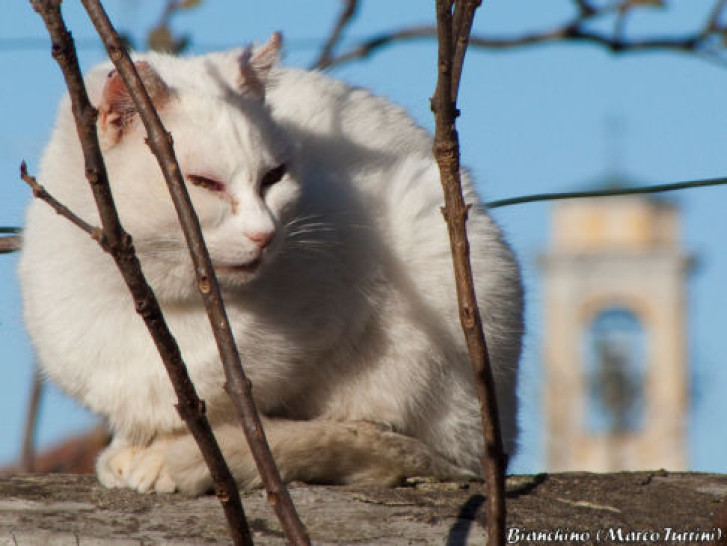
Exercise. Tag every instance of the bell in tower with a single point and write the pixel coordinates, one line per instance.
(615, 347)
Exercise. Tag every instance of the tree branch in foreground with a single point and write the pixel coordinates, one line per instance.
(453, 31)
(702, 41)
(238, 385)
(114, 239)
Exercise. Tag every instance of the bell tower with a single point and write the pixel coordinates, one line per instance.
(614, 341)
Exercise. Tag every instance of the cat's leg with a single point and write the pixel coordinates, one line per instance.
(124, 464)
(354, 452)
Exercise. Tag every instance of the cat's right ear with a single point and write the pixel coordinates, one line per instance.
(116, 111)
(255, 65)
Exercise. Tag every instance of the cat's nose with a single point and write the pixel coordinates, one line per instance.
(261, 238)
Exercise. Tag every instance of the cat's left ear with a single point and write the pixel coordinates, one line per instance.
(116, 111)
(255, 65)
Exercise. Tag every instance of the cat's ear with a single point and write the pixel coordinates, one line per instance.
(116, 111)
(255, 65)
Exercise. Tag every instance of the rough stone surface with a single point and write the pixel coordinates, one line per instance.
(600, 508)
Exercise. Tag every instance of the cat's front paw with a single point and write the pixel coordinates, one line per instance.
(114, 463)
(135, 467)
(148, 471)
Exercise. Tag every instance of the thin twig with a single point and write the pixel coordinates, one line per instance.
(27, 455)
(39, 192)
(160, 38)
(345, 17)
(238, 385)
(446, 152)
(568, 32)
(713, 25)
(619, 23)
(585, 8)
(117, 242)
(464, 15)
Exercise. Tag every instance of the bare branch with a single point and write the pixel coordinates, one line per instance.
(238, 385)
(574, 30)
(118, 243)
(27, 455)
(347, 14)
(452, 35)
(10, 243)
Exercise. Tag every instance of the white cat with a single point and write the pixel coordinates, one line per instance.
(320, 204)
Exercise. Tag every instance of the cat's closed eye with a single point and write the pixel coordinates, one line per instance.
(205, 182)
(273, 176)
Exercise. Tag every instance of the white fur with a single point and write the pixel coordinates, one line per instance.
(350, 319)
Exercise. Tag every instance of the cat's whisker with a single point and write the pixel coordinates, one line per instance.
(307, 221)
(298, 233)
(295, 228)
(303, 219)
(316, 243)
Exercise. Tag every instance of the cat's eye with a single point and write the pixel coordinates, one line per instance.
(273, 176)
(205, 182)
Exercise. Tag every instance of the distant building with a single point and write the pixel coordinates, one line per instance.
(615, 344)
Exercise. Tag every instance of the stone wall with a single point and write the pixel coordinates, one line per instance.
(571, 508)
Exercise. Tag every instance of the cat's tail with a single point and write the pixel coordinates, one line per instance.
(326, 452)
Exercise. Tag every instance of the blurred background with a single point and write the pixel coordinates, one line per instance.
(623, 363)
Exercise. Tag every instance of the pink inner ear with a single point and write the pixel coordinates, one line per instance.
(115, 96)
(117, 108)
(115, 99)
(256, 64)
(267, 55)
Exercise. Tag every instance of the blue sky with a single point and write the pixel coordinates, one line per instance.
(534, 120)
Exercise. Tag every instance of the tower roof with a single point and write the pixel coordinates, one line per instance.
(632, 222)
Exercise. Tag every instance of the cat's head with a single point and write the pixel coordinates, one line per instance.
(239, 166)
